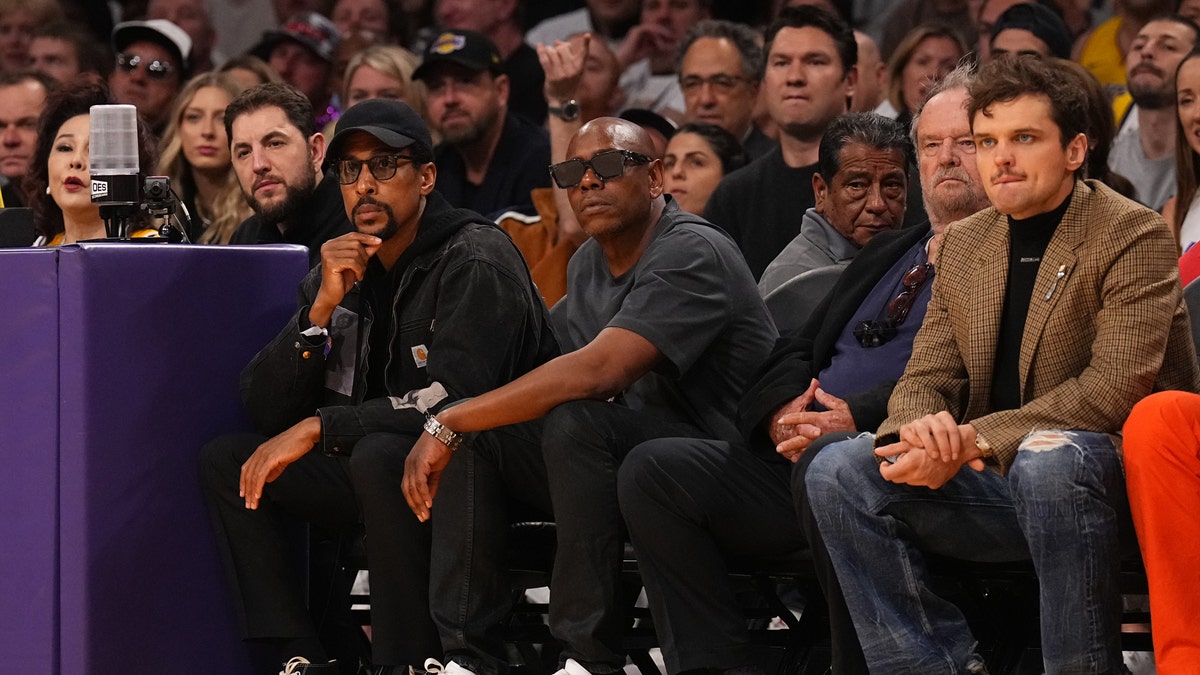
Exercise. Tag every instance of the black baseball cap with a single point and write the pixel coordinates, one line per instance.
(309, 29)
(466, 48)
(394, 123)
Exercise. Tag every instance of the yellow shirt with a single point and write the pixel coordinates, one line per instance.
(57, 239)
(1102, 56)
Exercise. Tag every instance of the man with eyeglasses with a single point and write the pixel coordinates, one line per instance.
(1052, 314)
(689, 504)
(661, 325)
(421, 306)
(153, 61)
(277, 154)
(719, 66)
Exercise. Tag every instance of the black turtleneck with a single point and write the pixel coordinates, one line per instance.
(1027, 242)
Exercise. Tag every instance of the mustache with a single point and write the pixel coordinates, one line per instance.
(1147, 68)
(368, 200)
(952, 172)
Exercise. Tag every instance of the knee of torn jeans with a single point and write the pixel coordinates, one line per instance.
(1045, 441)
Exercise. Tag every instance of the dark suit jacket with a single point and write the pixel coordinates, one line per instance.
(1106, 325)
(798, 357)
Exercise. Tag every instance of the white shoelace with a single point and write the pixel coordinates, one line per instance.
(293, 665)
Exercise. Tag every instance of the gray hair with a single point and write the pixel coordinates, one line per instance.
(742, 37)
(959, 78)
(868, 128)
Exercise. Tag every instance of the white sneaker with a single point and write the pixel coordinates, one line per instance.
(573, 667)
(435, 667)
(297, 665)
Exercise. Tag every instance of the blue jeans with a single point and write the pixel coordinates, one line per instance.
(1061, 504)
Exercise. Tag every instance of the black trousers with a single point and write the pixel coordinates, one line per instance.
(260, 561)
(690, 506)
(564, 465)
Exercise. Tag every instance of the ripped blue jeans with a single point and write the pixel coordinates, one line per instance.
(1062, 505)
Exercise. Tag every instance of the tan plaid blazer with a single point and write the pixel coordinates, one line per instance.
(1107, 332)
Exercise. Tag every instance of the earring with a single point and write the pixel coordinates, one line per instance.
(47, 189)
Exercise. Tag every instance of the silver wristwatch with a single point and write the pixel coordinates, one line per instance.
(443, 433)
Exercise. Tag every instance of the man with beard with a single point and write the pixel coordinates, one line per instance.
(277, 154)
(1144, 149)
(489, 159)
(342, 394)
(689, 503)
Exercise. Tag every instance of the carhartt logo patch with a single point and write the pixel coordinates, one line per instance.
(420, 355)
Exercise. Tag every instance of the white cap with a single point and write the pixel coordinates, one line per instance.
(159, 31)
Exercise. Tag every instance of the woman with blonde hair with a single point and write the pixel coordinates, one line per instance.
(249, 70)
(926, 55)
(195, 154)
(384, 71)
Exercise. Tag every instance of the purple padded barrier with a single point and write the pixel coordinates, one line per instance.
(153, 339)
(28, 459)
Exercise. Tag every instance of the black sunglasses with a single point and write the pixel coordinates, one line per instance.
(876, 333)
(383, 167)
(606, 164)
(155, 70)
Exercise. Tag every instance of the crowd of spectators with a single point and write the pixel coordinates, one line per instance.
(804, 130)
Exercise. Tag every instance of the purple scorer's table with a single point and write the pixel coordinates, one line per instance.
(119, 361)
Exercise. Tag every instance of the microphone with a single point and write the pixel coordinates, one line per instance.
(113, 165)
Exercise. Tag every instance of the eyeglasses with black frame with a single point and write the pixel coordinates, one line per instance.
(720, 82)
(382, 167)
(879, 332)
(606, 164)
(157, 69)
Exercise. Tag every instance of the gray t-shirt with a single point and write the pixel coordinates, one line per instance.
(692, 296)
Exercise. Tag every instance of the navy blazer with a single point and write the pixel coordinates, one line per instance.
(799, 356)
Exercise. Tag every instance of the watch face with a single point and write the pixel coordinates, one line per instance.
(568, 111)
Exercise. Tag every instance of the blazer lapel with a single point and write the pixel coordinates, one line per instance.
(1054, 274)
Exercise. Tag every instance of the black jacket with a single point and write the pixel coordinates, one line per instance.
(324, 217)
(518, 166)
(799, 356)
(466, 318)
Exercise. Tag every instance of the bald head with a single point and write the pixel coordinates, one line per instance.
(622, 204)
(620, 134)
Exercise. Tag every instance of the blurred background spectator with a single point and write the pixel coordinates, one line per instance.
(697, 157)
(194, 153)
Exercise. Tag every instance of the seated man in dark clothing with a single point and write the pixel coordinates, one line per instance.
(690, 504)
(489, 159)
(665, 325)
(277, 154)
(421, 306)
